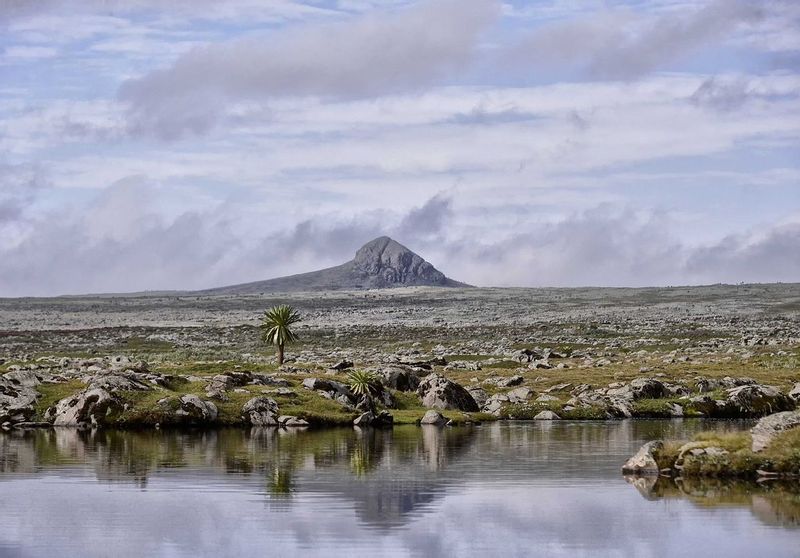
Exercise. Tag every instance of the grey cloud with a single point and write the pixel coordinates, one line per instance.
(120, 244)
(19, 187)
(621, 44)
(428, 220)
(371, 55)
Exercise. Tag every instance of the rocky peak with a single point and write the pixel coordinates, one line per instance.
(391, 263)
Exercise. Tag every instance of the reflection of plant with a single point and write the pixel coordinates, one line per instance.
(361, 461)
(364, 383)
(281, 482)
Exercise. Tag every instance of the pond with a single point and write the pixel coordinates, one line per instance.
(499, 489)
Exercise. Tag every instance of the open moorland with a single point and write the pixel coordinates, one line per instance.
(718, 351)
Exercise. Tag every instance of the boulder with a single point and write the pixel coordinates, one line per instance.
(342, 365)
(520, 394)
(437, 392)
(494, 405)
(547, 415)
(510, 382)
(117, 382)
(640, 388)
(190, 409)
(435, 418)
(644, 461)
(479, 395)
(399, 378)
(770, 426)
(756, 399)
(17, 399)
(260, 411)
(90, 407)
(794, 393)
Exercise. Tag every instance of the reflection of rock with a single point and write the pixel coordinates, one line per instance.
(773, 503)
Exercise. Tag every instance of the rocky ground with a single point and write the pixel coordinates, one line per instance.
(468, 354)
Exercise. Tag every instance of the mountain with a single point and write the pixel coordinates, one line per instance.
(381, 263)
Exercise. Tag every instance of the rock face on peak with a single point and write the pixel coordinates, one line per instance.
(381, 263)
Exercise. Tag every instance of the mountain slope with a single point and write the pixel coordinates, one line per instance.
(381, 263)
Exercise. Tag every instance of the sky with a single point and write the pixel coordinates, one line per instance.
(182, 144)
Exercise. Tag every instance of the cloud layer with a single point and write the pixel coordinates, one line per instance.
(158, 145)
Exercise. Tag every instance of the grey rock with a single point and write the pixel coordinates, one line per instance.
(260, 411)
(755, 399)
(520, 394)
(88, 407)
(399, 378)
(547, 415)
(437, 392)
(644, 461)
(510, 382)
(435, 418)
(479, 395)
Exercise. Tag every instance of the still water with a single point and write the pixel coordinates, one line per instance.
(503, 489)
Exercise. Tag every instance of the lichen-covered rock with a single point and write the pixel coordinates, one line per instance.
(770, 426)
(90, 407)
(437, 392)
(17, 397)
(189, 410)
(644, 461)
(260, 411)
(117, 382)
(399, 378)
(520, 394)
(757, 400)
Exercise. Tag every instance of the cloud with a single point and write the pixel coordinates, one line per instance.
(622, 44)
(371, 55)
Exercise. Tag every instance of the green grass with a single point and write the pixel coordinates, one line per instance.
(782, 456)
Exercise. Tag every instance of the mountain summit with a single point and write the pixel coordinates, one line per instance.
(380, 263)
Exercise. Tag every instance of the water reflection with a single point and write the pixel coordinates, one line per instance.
(420, 491)
(773, 502)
